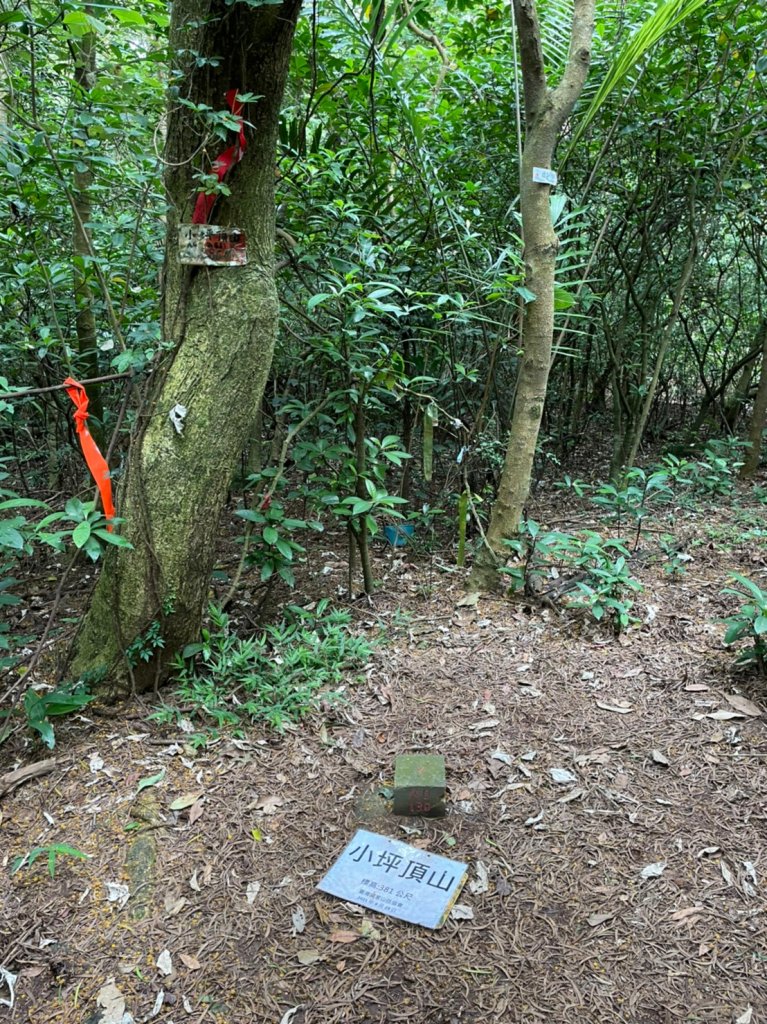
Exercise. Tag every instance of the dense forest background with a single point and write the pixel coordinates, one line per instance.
(402, 281)
(465, 460)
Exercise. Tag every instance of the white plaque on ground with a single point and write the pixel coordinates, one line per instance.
(396, 879)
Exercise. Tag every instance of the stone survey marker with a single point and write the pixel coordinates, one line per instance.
(395, 878)
(419, 785)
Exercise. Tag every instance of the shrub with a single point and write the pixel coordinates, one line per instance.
(749, 622)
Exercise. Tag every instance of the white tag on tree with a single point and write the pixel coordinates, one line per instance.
(544, 176)
(210, 245)
(396, 879)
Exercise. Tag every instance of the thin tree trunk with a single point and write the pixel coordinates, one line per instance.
(360, 459)
(759, 414)
(222, 323)
(84, 53)
(733, 410)
(545, 112)
(630, 453)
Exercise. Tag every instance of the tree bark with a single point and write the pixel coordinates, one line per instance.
(546, 111)
(221, 323)
(759, 414)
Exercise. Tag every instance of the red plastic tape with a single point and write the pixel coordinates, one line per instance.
(223, 163)
(96, 462)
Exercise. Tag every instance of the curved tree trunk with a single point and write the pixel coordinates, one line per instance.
(759, 414)
(222, 324)
(545, 113)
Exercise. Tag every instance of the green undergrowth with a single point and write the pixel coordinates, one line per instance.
(276, 677)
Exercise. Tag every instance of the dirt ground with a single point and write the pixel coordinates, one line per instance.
(565, 928)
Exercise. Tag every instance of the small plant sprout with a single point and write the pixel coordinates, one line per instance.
(51, 852)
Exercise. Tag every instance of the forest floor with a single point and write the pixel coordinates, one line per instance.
(565, 928)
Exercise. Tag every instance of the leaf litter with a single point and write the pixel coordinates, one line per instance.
(549, 897)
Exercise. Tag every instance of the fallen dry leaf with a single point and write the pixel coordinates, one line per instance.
(186, 800)
(596, 919)
(174, 904)
(195, 812)
(288, 1016)
(307, 956)
(112, 1001)
(688, 915)
(342, 935)
(164, 962)
(653, 870)
(743, 704)
(619, 709)
(482, 882)
(299, 920)
(460, 912)
(269, 804)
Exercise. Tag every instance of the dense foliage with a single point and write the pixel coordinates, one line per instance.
(401, 266)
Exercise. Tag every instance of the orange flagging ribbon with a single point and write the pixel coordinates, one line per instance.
(223, 163)
(96, 462)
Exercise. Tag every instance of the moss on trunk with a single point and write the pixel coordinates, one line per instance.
(221, 325)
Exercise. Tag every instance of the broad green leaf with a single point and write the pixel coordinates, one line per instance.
(126, 17)
(22, 503)
(285, 550)
(81, 534)
(44, 727)
(11, 538)
(524, 293)
(151, 780)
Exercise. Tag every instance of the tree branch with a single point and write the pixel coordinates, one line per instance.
(579, 58)
(531, 54)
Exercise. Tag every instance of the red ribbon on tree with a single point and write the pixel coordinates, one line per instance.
(223, 163)
(96, 462)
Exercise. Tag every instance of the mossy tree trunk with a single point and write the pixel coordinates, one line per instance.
(546, 111)
(221, 323)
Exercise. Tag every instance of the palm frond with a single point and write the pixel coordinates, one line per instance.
(630, 58)
(556, 18)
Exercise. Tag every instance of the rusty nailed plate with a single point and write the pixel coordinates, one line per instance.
(210, 245)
